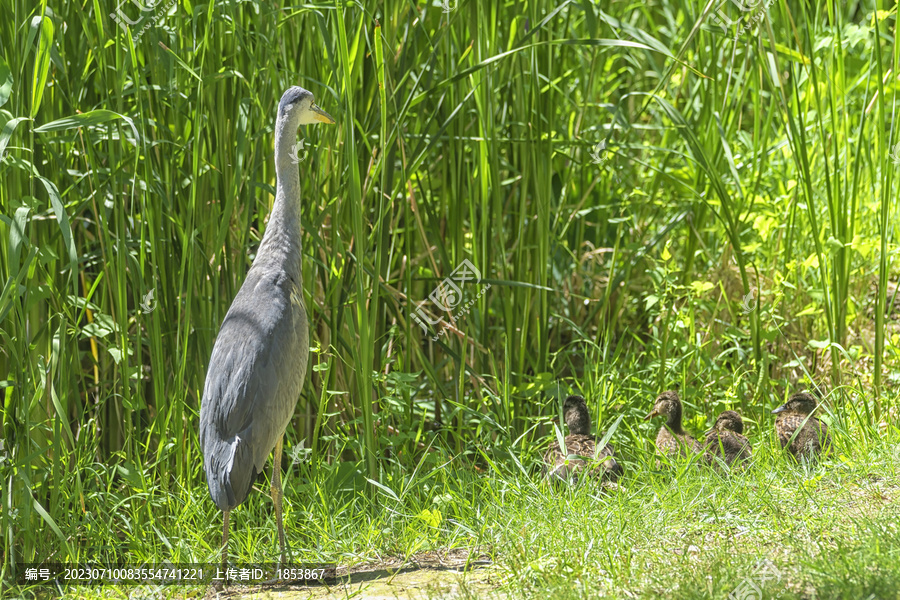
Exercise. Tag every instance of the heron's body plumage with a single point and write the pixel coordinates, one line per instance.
(258, 363)
(256, 373)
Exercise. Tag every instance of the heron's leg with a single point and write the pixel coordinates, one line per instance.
(225, 541)
(277, 495)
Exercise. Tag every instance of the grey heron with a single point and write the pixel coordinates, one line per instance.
(258, 362)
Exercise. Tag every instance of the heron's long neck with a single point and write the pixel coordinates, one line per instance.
(281, 242)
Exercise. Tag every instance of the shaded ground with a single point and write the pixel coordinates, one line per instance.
(452, 574)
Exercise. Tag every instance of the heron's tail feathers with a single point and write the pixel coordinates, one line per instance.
(230, 479)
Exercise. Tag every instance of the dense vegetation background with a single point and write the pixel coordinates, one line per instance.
(653, 194)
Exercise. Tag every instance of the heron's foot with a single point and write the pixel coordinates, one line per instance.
(285, 559)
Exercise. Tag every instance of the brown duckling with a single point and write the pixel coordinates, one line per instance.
(726, 440)
(796, 414)
(581, 452)
(672, 439)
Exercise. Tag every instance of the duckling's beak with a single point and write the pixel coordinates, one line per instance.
(321, 116)
(781, 408)
(652, 414)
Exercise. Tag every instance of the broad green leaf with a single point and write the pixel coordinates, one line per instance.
(12, 286)
(7, 132)
(609, 433)
(94, 117)
(49, 520)
(117, 354)
(62, 218)
(17, 236)
(384, 489)
(101, 327)
(6, 82)
(41, 64)
(432, 518)
(834, 244)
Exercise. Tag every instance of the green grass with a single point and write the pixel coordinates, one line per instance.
(736, 238)
(829, 529)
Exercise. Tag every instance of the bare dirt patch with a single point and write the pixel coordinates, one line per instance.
(451, 574)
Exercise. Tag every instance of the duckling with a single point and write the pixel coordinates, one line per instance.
(726, 440)
(672, 440)
(796, 414)
(581, 452)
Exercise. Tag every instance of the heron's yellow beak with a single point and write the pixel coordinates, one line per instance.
(321, 116)
(652, 414)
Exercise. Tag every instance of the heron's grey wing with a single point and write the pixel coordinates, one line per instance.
(255, 376)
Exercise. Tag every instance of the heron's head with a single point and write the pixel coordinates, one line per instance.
(668, 403)
(299, 106)
(801, 403)
(575, 412)
(730, 421)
